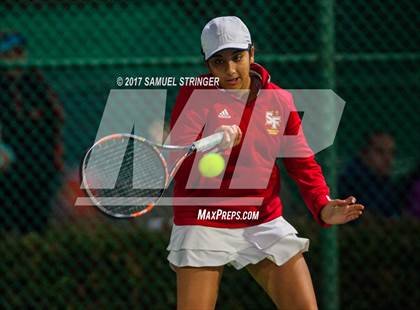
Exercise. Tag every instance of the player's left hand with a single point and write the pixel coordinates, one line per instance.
(340, 211)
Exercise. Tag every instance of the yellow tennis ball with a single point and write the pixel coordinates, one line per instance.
(211, 165)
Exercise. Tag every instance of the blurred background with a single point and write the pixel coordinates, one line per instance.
(60, 59)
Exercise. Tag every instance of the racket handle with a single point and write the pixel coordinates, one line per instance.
(208, 143)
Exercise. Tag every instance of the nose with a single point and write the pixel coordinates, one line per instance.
(230, 67)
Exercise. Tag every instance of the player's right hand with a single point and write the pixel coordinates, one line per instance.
(232, 136)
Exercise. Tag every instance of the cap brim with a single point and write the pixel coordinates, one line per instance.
(238, 46)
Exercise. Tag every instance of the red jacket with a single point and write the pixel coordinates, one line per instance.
(262, 140)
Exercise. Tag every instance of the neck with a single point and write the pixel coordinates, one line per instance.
(247, 84)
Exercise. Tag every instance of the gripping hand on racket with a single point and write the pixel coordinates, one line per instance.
(338, 211)
(232, 136)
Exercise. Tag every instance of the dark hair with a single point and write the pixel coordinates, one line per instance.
(369, 136)
(250, 46)
(10, 41)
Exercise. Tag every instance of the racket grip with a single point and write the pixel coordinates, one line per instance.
(208, 143)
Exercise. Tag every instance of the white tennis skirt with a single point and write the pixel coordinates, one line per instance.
(200, 246)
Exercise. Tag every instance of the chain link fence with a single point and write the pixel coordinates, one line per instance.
(60, 59)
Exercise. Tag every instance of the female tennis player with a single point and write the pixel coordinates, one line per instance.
(253, 236)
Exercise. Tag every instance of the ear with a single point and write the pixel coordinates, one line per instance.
(251, 55)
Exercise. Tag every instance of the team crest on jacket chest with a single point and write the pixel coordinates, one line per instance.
(272, 122)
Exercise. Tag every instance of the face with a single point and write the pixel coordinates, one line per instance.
(379, 155)
(232, 66)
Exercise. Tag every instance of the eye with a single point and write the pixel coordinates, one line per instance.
(237, 57)
(217, 61)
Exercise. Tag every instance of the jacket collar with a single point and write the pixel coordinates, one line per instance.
(261, 73)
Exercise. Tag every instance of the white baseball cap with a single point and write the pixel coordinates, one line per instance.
(224, 32)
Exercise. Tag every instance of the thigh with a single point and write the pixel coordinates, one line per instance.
(197, 287)
(289, 286)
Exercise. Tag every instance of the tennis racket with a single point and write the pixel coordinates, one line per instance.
(125, 175)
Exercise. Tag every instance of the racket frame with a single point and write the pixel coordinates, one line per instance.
(202, 145)
(118, 136)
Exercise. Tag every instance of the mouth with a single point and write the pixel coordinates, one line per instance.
(233, 81)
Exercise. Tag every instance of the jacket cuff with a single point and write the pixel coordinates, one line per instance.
(319, 204)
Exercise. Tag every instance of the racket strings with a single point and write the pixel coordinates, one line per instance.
(136, 170)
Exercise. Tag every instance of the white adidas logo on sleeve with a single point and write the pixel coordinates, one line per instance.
(224, 114)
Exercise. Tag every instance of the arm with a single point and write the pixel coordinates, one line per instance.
(309, 177)
(187, 121)
(189, 118)
(53, 113)
(58, 120)
(311, 183)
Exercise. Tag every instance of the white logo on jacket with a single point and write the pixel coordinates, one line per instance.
(224, 114)
(272, 122)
